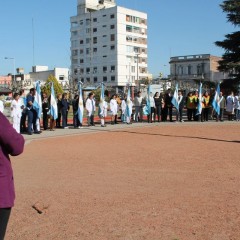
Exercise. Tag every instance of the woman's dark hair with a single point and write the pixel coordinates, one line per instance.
(113, 96)
(15, 95)
(155, 94)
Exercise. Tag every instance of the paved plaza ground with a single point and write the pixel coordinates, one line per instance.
(163, 181)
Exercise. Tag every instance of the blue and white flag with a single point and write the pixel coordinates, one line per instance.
(37, 104)
(216, 100)
(175, 98)
(80, 104)
(129, 103)
(147, 108)
(53, 103)
(101, 104)
(200, 98)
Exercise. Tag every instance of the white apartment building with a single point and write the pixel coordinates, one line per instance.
(108, 44)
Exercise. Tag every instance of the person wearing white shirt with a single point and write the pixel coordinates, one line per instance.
(103, 107)
(114, 109)
(129, 111)
(237, 107)
(1, 106)
(16, 112)
(124, 110)
(230, 106)
(90, 107)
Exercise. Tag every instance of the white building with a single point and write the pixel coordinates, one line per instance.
(42, 73)
(108, 44)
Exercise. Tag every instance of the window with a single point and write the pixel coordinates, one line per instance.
(87, 51)
(88, 40)
(81, 51)
(81, 61)
(133, 69)
(81, 70)
(112, 78)
(61, 77)
(104, 26)
(112, 37)
(81, 22)
(104, 45)
(87, 70)
(105, 79)
(74, 33)
(87, 30)
(112, 16)
(94, 30)
(94, 40)
(104, 69)
(104, 56)
(104, 15)
(104, 35)
(74, 52)
(95, 20)
(88, 79)
(112, 68)
(189, 68)
(199, 69)
(94, 50)
(95, 79)
(81, 41)
(88, 22)
(112, 47)
(112, 26)
(95, 70)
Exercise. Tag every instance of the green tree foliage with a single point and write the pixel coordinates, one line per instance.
(230, 62)
(47, 87)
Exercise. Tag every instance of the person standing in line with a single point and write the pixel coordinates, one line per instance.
(16, 112)
(103, 113)
(23, 99)
(222, 103)
(152, 108)
(31, 113)
(124, 109)
(138, 103)
(11, 143)
(59, 106)
(158, 104)
(191, 104)
(129, 111)
(45, 110)
(65, 108)
(76, 122)
(90, 107)
(168, 105)
(206, 102)
(1, 106)
(237, 107)
(180, 107)
(230, 106)
(113, 109)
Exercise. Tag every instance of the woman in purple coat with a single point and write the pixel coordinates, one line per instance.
(11, 143)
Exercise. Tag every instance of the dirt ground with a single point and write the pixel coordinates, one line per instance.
(175, 182)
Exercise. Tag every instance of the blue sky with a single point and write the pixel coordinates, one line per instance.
(175, 28)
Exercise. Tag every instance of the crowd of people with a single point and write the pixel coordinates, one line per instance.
(25, 119)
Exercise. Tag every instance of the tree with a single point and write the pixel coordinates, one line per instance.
(230, 62)
(47, 86)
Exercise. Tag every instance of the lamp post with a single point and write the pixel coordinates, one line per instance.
(14, 75)
(137, 54)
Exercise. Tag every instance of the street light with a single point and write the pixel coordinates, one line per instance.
(14, 75)
(137, 54)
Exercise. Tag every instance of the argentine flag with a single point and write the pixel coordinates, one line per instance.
(101, 104)
(199, 108)
(129, 107)
(147, 108)
(175, 98)
(216, 103)
(37, 104)
(80, 104)
(53, 103)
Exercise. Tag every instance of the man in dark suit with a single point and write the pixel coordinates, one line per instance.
(168, 105)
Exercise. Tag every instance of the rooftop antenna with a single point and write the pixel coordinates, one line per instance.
(33, 42)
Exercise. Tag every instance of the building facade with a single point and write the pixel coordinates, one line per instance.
(5, 85)
(108, 44)
(193, 68)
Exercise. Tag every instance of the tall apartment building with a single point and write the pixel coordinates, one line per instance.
(108, 44)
